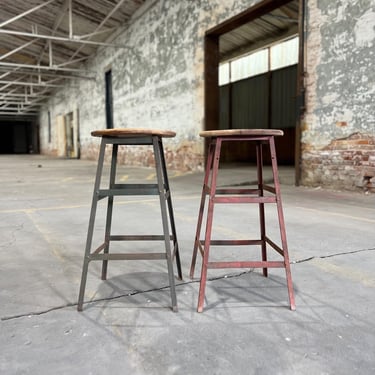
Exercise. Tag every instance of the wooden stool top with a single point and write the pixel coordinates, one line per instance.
(242, 133)
(132, 132)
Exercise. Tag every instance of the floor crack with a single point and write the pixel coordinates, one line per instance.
(72, 304)
(128, 294)
(332, 255)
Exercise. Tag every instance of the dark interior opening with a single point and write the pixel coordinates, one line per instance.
(17, 137)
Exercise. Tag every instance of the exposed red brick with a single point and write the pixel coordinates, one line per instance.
(344, 163)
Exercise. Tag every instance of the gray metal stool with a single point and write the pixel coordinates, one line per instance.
(132, 137)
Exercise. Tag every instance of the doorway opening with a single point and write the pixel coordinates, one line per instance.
(18, 137)
(68, 135)
(245, 84)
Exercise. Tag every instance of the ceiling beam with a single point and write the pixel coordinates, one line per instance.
(74, 39)
(2, 57)
(72, 61)
(22, 83)
(56, 24)
(19, 95)
(25, 13)
(112, 29)
(42, 67)
(42, 73)
(21, 102)
(17, 110)
(109, 15)
(8, 83)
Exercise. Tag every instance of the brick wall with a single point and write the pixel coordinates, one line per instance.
(338, 129)
(346, 163)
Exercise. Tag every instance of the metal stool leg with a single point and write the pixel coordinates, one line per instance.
(162, 197)
(207, 175)
(210, 214)
(282, 224)
(176, 252)
(108, 222)
(90, 231)
(262, 221)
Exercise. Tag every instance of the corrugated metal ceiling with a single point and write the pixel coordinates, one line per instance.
(279, 24)
(43, 43)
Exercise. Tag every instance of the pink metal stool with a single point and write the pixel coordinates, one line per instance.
(263, 194)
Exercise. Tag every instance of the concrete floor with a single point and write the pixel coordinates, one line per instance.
(127, 326)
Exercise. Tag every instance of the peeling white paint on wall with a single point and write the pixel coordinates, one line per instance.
(158, 81)
(340, 53)
(313, 58)
(364, 30)
(330, 98)
(338, 133)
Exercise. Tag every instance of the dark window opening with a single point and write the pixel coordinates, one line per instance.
(108, 99)
(49, 127)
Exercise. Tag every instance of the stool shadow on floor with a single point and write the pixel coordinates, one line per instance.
(150, 290)
(135, 289)
(248, 289)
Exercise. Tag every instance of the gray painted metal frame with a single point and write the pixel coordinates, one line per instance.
(161, 189)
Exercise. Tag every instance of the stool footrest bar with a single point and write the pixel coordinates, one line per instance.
(244, 199)
(134, 189)
(246, 264)
(233, 242)
(238, 191)
(129, 256)
(139, 238)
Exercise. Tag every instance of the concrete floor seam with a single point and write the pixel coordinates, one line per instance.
(234, 275)
(72, 304)
(331, 255)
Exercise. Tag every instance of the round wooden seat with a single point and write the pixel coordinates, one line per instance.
(132, 132)
(241, 133)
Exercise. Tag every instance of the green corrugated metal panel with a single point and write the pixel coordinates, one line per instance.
(224, 107)
(283, 98)
(250, 103)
